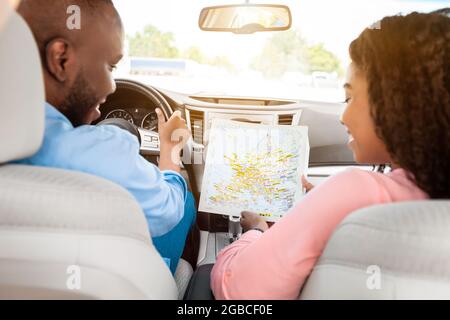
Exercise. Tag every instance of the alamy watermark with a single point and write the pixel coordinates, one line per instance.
(373, 281)
(73, 22)
(73, 281)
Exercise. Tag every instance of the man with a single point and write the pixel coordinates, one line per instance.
(77, 68)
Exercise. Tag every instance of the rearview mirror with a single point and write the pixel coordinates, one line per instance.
(246, 18)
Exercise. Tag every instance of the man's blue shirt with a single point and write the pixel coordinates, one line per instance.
(112, 153)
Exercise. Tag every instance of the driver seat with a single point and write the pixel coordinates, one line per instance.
(63, 234)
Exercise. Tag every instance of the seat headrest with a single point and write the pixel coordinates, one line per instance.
(22, 94)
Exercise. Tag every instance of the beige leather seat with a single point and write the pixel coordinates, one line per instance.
(62, 234)
(397, 251)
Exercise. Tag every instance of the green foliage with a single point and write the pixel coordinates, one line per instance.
(284, 51)
(322, 60)
(289, 51)
(153, 43)
(195, 53)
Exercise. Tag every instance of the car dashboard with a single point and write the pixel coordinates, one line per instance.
(136, 103)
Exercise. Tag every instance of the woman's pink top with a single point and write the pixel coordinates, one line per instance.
(275, 264)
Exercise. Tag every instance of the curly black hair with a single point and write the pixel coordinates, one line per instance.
(406, 61)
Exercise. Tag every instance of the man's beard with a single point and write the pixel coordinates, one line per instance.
(79, 102)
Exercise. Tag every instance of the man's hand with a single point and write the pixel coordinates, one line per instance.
(306, 184)
(250, 220)
(173, 136)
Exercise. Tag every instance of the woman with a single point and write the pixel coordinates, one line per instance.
(398, 113)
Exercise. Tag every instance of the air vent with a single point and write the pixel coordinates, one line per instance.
(285, 119)
(197, 123)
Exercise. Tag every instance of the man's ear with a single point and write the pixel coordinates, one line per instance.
(60, 59)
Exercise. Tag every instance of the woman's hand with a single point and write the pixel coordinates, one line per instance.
(306, 184)
(250, 220)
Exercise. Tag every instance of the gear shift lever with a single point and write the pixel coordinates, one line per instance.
(234, 228)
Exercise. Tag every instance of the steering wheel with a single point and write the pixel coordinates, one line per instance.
(126, 91)
(122, 124)
(148, 140)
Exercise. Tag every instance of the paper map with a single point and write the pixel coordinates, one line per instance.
(253, 167)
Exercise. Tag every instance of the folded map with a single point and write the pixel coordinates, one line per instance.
(254, 167)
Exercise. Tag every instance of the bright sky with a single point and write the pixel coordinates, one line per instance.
(334, 22)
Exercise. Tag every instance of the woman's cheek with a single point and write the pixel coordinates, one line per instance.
(356, 152)
(358, 145)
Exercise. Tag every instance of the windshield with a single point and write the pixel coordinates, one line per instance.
(165, 48)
